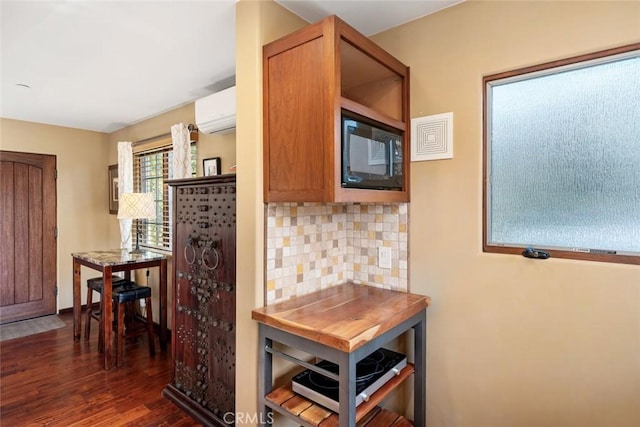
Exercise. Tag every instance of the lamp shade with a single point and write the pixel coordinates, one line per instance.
(136, 206)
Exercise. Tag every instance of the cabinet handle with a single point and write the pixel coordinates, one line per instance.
(186, 257)
(204, 258)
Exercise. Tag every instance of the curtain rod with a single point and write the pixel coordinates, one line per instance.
(164, 135)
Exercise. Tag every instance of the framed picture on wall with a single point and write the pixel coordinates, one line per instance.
(211, 166)
(113, 189)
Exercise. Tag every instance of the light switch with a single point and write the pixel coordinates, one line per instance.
(384, 257)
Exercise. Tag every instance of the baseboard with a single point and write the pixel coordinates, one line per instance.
(83, 308)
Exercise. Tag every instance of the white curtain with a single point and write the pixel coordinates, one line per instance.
(125, 185)
(180, 137)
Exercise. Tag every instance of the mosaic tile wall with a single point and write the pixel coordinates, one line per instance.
(313, 246)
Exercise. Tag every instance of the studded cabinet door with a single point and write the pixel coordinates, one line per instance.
(205, 296)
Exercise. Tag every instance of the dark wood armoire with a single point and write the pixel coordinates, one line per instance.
(203, 325)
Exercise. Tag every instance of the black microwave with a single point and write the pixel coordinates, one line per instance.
(371, 154)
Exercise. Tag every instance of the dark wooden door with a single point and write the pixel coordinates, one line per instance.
(27, 235)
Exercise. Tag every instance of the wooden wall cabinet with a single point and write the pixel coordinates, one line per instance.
(203, 344)
(309, 76)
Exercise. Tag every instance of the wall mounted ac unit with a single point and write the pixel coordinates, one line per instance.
(216, 113)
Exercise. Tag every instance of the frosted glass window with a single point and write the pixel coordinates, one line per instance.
(562, 158)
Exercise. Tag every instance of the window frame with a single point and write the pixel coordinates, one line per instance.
(552, 67)
(165, 150)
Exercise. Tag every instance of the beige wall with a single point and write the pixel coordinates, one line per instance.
(82, 190)
(216, 145)
(209, 145)
(223, 146)
(511, 341)
(257, 23)
(83, 158)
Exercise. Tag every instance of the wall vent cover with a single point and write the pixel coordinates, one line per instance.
(432, 137)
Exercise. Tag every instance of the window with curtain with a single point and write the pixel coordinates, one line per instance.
(562, 158)
(151, 170)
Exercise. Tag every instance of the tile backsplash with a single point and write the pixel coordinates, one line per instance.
(313, 246)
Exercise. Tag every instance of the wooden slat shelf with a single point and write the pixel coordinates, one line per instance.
(379, 417)
(367, 413)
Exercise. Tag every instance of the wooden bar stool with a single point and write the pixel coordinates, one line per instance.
(124, 292)
(121, 296)
(95, 285)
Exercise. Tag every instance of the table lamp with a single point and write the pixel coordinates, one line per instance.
(137, 206)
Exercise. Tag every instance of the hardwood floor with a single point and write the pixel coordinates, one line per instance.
(47, 380)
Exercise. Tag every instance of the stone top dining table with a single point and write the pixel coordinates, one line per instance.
(109, 262)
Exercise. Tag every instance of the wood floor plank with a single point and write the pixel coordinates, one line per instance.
(47, 379)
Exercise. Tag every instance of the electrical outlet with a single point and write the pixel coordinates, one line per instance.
(384, 257)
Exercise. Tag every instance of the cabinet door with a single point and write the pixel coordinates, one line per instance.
(220, 265)
(298, 163)
(204, 240)
(189, 332)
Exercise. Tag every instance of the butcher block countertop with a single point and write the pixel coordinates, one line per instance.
(343, 317)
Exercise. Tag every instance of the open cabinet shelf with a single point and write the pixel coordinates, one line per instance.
(285, 398)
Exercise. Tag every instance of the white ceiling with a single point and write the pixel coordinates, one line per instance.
(104, 65)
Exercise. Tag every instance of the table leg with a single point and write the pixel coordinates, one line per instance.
(107, 316)
(347, 390)
(77, 303)
(419, 377)
(163, 304)
(265, 374)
